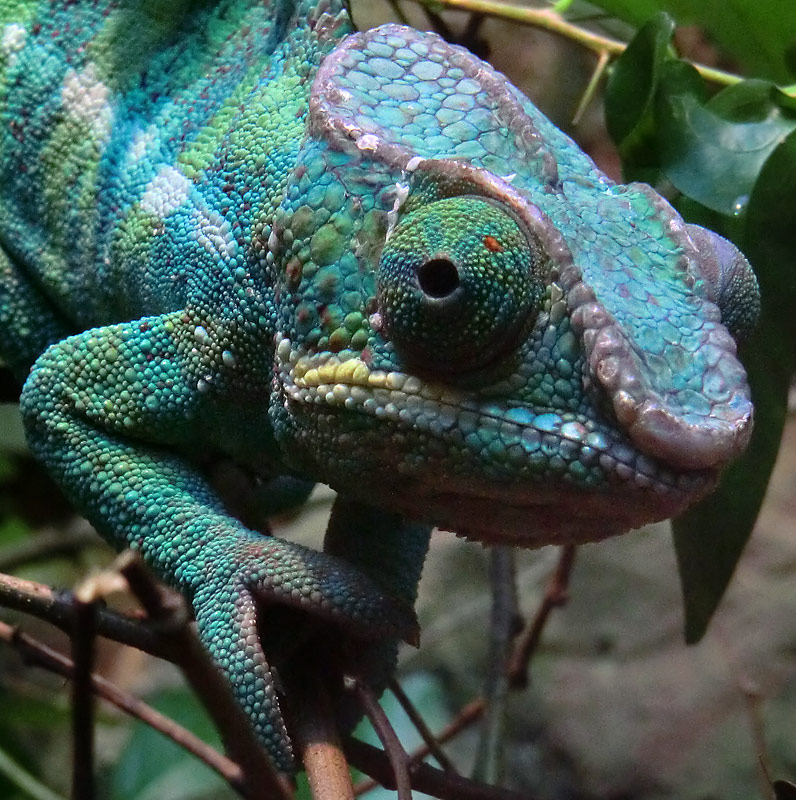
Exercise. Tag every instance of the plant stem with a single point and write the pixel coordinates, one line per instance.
(549, 19)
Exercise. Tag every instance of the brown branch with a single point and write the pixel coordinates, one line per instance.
(424, 777)
(555, 595)
(400, 760)
(54, 607)
(173, 641)
(471, 713)
(315, 733)
(42, 602)
(40, 655)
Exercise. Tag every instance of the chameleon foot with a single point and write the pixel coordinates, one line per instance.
(271, 573)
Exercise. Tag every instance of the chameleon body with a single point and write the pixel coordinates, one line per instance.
(364, 259)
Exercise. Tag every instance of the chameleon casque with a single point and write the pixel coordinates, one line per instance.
(364, 259)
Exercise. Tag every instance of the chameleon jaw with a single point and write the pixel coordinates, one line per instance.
(533, 518)
(509, 498)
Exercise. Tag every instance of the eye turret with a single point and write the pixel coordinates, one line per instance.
(458, 281)
(730, 281)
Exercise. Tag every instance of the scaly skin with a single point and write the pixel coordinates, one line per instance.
(367, 261)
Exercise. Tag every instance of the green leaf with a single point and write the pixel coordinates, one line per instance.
(714, 152)
(760, 36)
(720, 155)
(630, 93)
(711, 536)
(771, 245)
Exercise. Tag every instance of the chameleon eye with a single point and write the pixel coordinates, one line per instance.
(456, 284)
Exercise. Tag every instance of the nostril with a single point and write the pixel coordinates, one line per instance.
(438, 278)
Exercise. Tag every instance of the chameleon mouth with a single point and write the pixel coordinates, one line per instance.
(536, 448)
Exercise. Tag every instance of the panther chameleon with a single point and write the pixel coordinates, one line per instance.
(363, 259)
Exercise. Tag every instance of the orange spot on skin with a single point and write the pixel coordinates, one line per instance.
(492, 244)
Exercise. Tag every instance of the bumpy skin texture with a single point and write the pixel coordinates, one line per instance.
(365, 260)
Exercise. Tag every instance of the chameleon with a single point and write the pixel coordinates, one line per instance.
(357, 258)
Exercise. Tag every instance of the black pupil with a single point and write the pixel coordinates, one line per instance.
(438, 278)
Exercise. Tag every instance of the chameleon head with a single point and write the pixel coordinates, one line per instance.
(480, 329)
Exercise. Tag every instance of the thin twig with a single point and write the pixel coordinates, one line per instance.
(504, 625)
(41, 601)
(470, 714)
(545, 18)
(399, 758)
(54, 607)
(549, 19)
(420, 725)
(166, 642)
(603, 60)
(555, 595)
(524, 648)
(39, 654)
